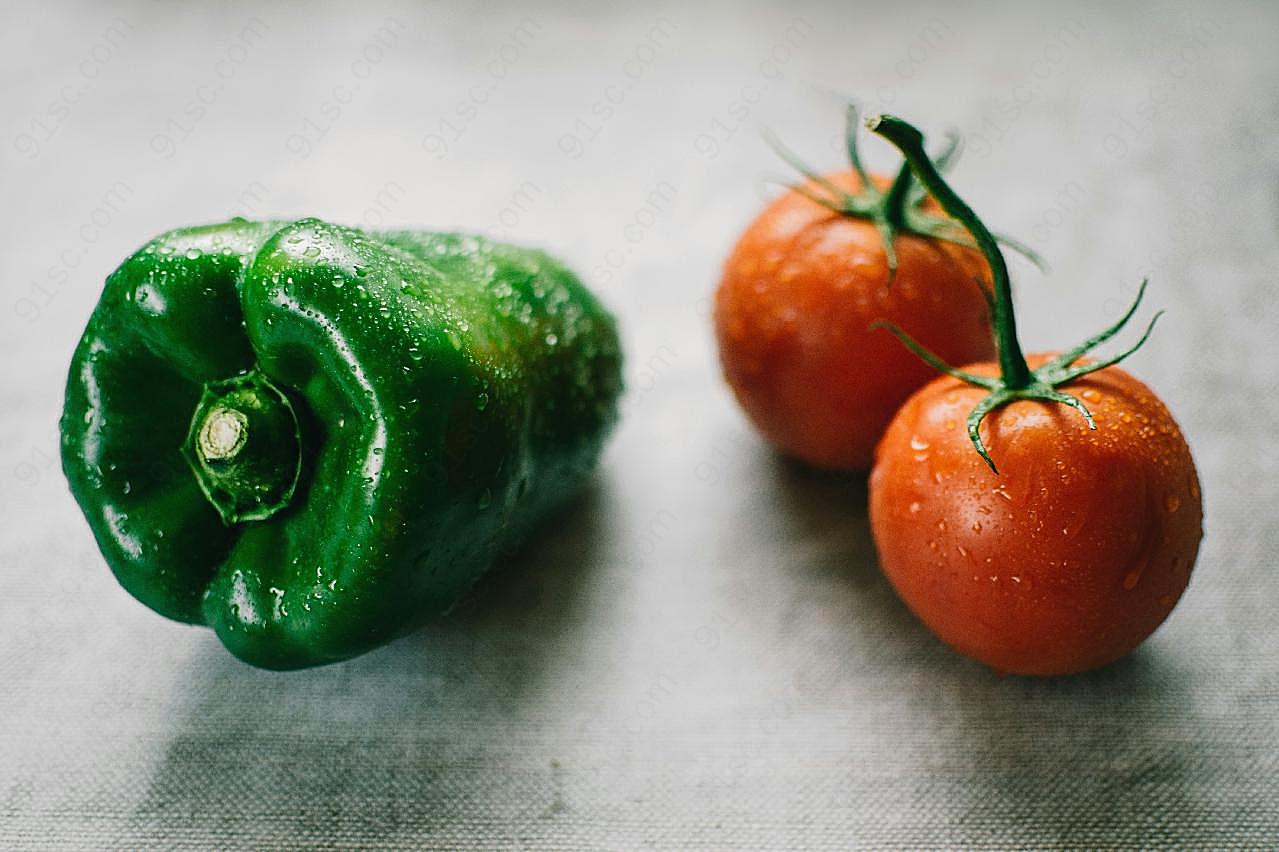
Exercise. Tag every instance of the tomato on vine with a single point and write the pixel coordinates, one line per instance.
(1056, 531)
(803, 285)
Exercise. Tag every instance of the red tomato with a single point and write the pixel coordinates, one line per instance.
(1067, 559)
(793, 314)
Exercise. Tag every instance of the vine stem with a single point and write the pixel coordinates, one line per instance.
(896, 197)
(1016, 380)
(1014, 370)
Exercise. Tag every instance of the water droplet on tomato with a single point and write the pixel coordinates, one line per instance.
(1133, 577)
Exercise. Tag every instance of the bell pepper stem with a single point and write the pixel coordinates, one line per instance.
(223, 434)
(244, 448)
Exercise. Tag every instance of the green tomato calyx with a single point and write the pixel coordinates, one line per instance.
(897, 210)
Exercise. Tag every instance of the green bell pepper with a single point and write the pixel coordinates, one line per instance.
(314, 439)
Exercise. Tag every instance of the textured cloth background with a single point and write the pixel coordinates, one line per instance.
(702, 652)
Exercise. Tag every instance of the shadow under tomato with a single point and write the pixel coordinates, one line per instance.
(1117, 756)
(819, 529)
(1110, 757)
(380, 748)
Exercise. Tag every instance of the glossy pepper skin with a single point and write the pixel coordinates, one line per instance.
(314, 439)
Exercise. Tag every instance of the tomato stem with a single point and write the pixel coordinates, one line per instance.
(897, 196)
(1017, 380)
(1012, 363)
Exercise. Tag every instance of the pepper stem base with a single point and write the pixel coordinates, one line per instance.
(244, 448)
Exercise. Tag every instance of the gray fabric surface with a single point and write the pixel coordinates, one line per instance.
(702, 652)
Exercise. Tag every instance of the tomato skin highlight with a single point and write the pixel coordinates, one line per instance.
(1068, 558)
(792, 318)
